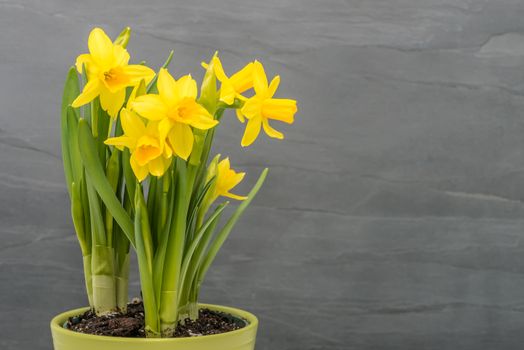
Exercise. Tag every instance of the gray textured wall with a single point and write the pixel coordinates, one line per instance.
(392, 217)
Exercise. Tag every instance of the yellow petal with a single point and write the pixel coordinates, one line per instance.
(164, 127)
(259, 78)
(111, 102)
(227, 93)
(240, 116)
(137, 72)
(120, 142)
(224, 165)
(132, 124)
(187, 87)
(279, 109)
(243, 79)
(157, 166)
(140, 172)
(100, 47)
(150, 106)
(91, 90)
(273, 86)
(81, 60)
(252, 108)
(195, 115)
(167, 87)
(121, 55)
(181, 140)
(251, 132)
(270, 131)
(219, 70)
(234, 196)
(147, 149)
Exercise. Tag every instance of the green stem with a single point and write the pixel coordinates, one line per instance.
(88, 278)
(145, 265)
(173, 257)
(104, 288)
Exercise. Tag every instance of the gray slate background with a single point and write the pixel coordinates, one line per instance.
(392, 217)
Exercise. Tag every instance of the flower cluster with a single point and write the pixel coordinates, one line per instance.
(159, 126)
(130, 122)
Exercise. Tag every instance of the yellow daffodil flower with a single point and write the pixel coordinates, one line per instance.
(232, 87)
(227, 179)
(262, 107)
(108, 73)
(176, 111)
(149, 154)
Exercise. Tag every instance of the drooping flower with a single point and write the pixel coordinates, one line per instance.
(176, 111)
(227, 179)
(232, 87)
(262, 107)
(108, 73)
(149, 153)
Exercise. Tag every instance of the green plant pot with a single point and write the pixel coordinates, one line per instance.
(241, 339)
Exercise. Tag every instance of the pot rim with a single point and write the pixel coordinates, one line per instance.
(58, 321)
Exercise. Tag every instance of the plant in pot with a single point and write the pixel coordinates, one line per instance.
(136, 149)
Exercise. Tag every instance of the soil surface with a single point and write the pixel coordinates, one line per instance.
(131, 324)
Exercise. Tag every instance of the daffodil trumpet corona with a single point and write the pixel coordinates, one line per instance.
(136, 145)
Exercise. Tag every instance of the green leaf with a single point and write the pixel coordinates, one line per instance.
(71, 91)
(74, 151)
(128, 175)
(226, 230)
(96, 173)
(77, 213)
(188, 256)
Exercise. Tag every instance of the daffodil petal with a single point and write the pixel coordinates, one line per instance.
(157, 166)
(167, 87)
(279, 109)
(111, 102)
(150, 106)
(219, 70)
(90, 91)
(121, 55)
(120, 142)
(240, 116)
(273, 86)
(164, 127)
(197, 116)
(181, 140)
(270, 131)
(259, 78)
(81, 60)
(132, 124)
(187, 87)
(252, 108)
(227, 93)
(137, 72)
(251, 132)
(234, 196)
(100, 47)
(243, 79)
(140, 172)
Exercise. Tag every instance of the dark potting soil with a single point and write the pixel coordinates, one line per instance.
(131, 324)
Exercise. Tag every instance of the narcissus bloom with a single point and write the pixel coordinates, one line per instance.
(176, 111)
(108, 73)
(232, 87)
(225, 179)
(149, 154)
(262, 107)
